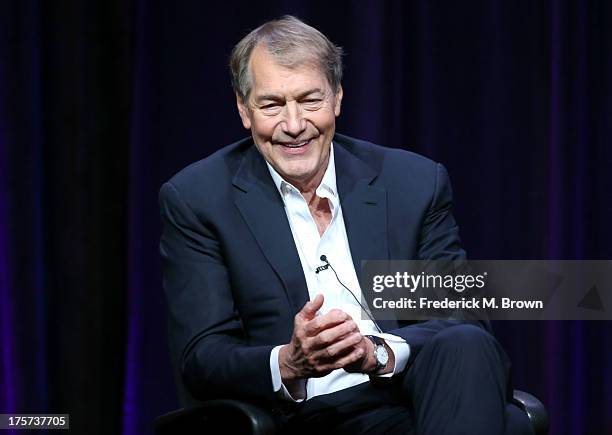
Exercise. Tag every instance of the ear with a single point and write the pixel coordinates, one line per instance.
(243, 111)
(338, 100)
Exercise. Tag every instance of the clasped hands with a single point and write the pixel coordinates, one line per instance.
(321, 344)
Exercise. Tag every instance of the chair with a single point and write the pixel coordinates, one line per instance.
(237, 416)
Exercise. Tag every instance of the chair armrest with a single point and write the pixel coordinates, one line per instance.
(230, 416)
(242, 417)
(534, 409)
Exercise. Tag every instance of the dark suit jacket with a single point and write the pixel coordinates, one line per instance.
(232, 274)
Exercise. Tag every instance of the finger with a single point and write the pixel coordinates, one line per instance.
(342, 347)
(351, 358)
(331, 335)
(325, 366)
(326, 321)
(311, 307)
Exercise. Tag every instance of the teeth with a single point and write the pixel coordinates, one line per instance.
(297, 145)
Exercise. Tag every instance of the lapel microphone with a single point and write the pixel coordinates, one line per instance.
(324, 267)
(328, 265)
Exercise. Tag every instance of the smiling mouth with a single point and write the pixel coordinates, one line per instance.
(296, 145)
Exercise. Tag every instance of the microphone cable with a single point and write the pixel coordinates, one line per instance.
(328, 265)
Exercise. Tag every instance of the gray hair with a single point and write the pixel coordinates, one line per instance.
(292, 43)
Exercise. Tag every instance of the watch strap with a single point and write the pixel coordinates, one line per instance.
(377, 341)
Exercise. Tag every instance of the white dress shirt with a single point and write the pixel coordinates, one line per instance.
(334, 244)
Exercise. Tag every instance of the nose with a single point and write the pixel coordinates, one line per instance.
(294, 123)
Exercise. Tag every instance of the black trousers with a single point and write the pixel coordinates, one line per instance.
(458, 384)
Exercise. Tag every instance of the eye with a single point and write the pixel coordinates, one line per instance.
(312, 103)
(271, 108)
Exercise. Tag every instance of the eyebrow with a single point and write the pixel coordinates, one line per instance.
(276, 97)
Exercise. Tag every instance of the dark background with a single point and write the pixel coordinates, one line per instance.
(103, 100)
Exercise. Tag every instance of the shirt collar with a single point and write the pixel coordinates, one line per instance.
(328, 183)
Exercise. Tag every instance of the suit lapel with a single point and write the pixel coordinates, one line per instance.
(364, 207)
(263, 210)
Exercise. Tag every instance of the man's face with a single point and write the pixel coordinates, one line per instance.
(292, 116)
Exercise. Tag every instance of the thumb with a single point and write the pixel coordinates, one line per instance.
(311, 307)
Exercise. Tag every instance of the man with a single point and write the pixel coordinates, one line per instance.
(262, 244)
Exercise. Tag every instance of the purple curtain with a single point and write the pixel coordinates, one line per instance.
(102, 101)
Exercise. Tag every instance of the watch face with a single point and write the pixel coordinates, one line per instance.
(381, 355)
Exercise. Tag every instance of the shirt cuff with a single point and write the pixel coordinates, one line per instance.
(277, 382)
(401, 352)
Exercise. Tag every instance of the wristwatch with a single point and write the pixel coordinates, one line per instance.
(380, 352)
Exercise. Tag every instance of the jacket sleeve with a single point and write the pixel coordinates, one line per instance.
(212, 349)
(439, 240)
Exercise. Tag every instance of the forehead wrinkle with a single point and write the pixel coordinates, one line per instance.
(278, 97)
(268, 77)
